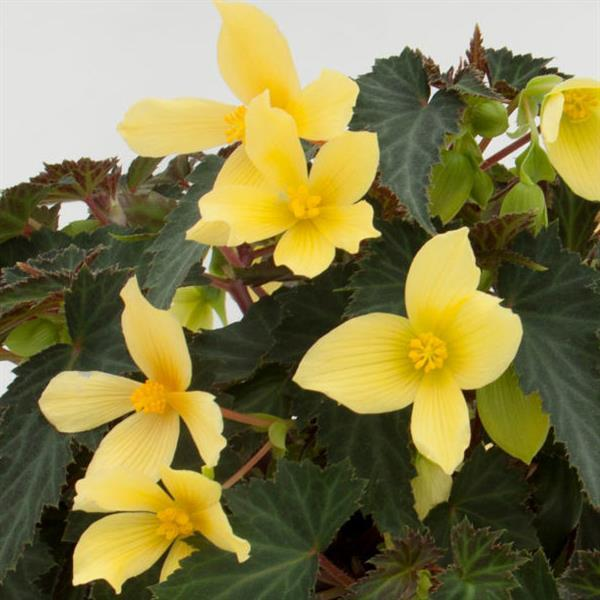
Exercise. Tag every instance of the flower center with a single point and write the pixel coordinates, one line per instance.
(302, 204)
(427, 352)
(173, 523)
(151, 397)
(236, 125)
(579, 104)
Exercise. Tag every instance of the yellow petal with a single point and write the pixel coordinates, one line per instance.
(118, 547)
(119, 490)
(582, 83)
(443, 274)
(345, 167)
(363, 364)
(238, 169)
(430, 487)
(254, 56)
(214, 526)
(155, 340)
(576, 155)
(159, 127)
(204, 419)
(324, 107)
(81, 400)
(551, 114)
(211, 233)
(346, 226)
(253, 214)
(440, 424)
(179, 550)
(273, 146)
(193, 491)
(142, 442)
(482, 340)
(304, 250)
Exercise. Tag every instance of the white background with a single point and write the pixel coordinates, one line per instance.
(70, 69)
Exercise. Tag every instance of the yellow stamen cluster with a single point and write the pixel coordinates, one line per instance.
(236, 125)
(427, 352)
(173, 523)
(303, 204)
(579, 104)
(151, 397)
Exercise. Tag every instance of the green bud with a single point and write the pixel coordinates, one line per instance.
(488, 118)
(191, 308)
(33, 336)
(534, 165)
(538, 87)
(451, 183)
(526, 197)
(483, 187)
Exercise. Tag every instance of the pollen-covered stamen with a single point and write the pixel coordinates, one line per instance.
(174, 522)
(236, 125)
(579, 104)
(151, 397)
(427, 352)
(303, 204)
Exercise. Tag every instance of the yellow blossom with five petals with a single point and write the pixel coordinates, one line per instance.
(77, 401)
(146, 522)
(253, 56)
(265, 190)
(454, 338)
(570, 124)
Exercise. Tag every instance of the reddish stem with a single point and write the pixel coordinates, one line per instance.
(248, 466)
(218, 282)
(240, 294)
(96, 211)
(266, 251)
(495, 158)
(259, 291)
(233, 415)
(339, 576)
(231, 256)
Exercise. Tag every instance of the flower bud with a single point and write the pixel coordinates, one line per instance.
(524, 198)
(488, 118)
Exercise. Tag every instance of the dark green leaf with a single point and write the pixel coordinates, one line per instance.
(378, 285)
(377, 446)
(394, 102)
(16, 205)
(399, 571)
(489, 492)
(470, 82)
(588, 532)
(536, 580)
(141, 170)
(559, 354)
(582, 578)
(171, 256)
(287, 521)
(482, 567)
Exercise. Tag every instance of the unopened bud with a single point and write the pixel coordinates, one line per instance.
(524, 198)
(488, 118)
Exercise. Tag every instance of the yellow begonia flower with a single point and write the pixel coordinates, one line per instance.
(570, 124)
(316, 213)
(454, 338)
(147, 521)
(77, 401)
(253, 57)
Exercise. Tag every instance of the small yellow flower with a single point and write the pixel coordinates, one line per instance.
(253, 57)
(264, 190)
(454, 338)
(570, 124)
(147, 521)
(77, 401)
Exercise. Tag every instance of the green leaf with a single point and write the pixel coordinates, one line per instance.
(536, 580)
(33, 336)
(588, 531)
(557, 498)
(394, 102)
(398, 571)
(378, 448)
(483, 568)
(582, 578)
(140, 170)
(489, 492)
(171, 256)
(514, 421)
(21, 584)
(16, 206)
(308, 312)
(287, 521)
(378, 285)
(559, 354)
(534, 165)
(233, 353)
(470, 82)
(515, 70)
